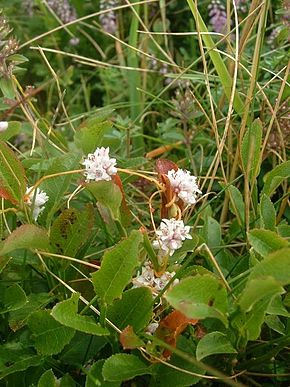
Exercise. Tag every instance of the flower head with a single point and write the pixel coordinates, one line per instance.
(147, 278)
(3, 126)
(37, 199)
(218, 16)
(171, 235)
(184, 185)
(99, 166)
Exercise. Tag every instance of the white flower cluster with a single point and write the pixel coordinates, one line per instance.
(3, 126)
(148, 279)
(170, 236)
(99, 166)
(184, 185)
(37, 198)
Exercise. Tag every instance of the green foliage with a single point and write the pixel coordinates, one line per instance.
(117, 269)
(213, 343)
(266, 241)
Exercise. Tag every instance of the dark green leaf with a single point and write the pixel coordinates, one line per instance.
(12, 298)
(275, 177)
(47, 379)
(117, 268)
(65, 312)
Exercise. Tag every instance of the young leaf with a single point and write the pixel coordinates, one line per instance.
(117, 268)
(71, 229)
(12, 175)
(250, 150)
(50, 337)
(108, 194)
(200, 297)
(123, 367)
(129, 339)
(65, 312)
(47, 380)
(27, 236)
(237, 205)
(12, 298)
(266, 241)
(267, 213)
(134, 309)
(213, 343)
(274, 178)
(95, 376)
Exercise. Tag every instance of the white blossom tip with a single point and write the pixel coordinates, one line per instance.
(99, 166)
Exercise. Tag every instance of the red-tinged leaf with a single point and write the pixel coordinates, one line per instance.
(168, 205)
(124, 209)
(12, 175)
(129, 339)
(171, 327)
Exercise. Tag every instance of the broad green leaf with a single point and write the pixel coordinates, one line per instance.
(12, 298)
(237, 205)
(66, 312)
(275, 323)
(171, 377)
(90, 135)
(47, 380)
(200, 297)
(123, 367)
(211, 232)
(12, 176)
(27, 236)
(250, 149)
(276, 265)
(257, 289)
(134, 309)
(70, 231)
(18, 364)
(213, 343)
(108, 194)
(35, 301)
(277, 307)
(267, 213)
(66, 381)
(274, 178)
(117, 268)
(50, 337)
(6, 86)
(12, 130)
(56, 187)
(266, 241)
(95, 377)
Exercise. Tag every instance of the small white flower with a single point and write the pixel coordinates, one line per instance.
(170, 236)
(184, 185)
(37, 198)
(3, 126)
(148, 279)
(99, 166)
(151, 328)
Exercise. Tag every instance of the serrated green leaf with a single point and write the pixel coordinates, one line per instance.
(95, 377)
(200, 297)
(70, 231)
(47, 380)
(90, 135)
(117, 268)
(12, 175)
(275, 177)
(27, 236)
(267, 213)
(134, 309)
(65, 312)
(50, 337)
(12, 130)
(250, 149)
(12, 298)
(266, 241)
(123, 367)
(108, 194)
(213, 343)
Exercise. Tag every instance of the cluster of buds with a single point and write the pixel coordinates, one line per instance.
(108, 20)
(63, 9)
(217, 16)
(183, 105)
(99, 166)
(148, 278)
(8, 47)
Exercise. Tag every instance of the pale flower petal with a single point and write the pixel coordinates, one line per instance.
(184, 185)
(99, 166)
(37, 198)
